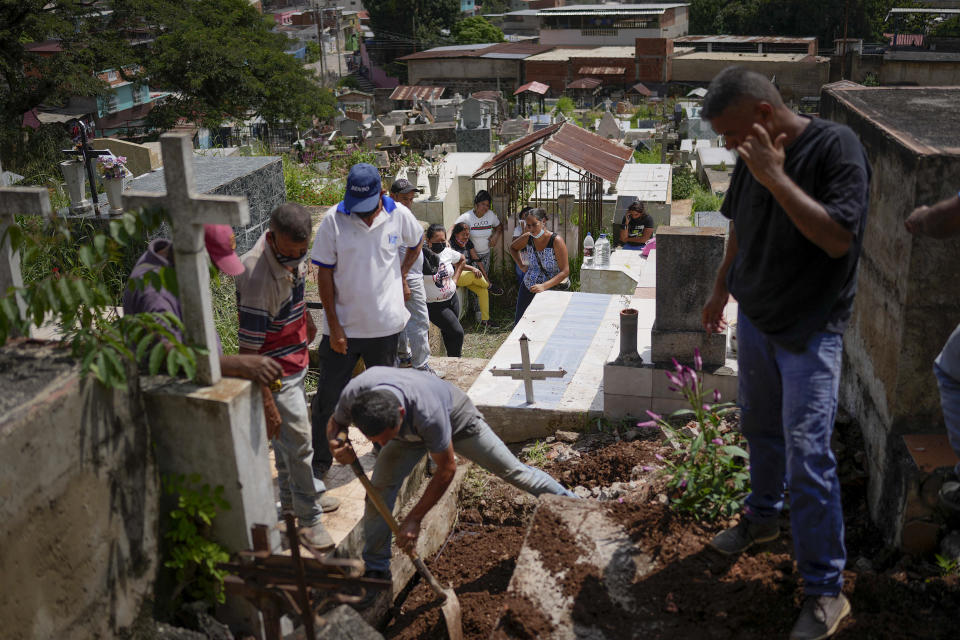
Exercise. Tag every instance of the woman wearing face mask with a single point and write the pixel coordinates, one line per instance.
(441, 288)
(546, 257)
(466, 275)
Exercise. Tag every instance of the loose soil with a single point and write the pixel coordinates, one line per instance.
(692, 592)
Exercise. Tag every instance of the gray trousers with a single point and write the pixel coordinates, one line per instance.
(293, 452)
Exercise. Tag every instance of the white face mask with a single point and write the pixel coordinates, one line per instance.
(542, 231)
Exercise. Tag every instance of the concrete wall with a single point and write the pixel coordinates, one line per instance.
(905, 306)
(923, 74)
(624, 37)
(795, 79)
(469, 73)
(140, 158)
(78, 500)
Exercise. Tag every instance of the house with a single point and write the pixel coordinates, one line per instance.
(611, 24)
(472, 67)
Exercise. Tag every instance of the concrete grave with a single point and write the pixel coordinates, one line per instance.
(712, 219)
(259, 179)
(621, 277)
(906, 304)
(140, 158)
(688, 259)
(78, 518)
(26, 201)
(472, 114)
(350, 128)
(425, 136)
(510, 130)
(474, 134)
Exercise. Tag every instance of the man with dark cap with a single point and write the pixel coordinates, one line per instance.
(798, 208)
(415, 339)
(360, 277)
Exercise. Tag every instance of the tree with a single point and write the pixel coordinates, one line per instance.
(565, 106)
(476, 30)
(402, 26)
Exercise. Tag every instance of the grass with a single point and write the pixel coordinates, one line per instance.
(704, 200)
(648, 156)
(537, 454)
(225, 318)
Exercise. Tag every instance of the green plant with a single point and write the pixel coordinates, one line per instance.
(648, 156)
(705, 200)
(565, 106)
(537, 453)
(78, 293)
(684, 183)
(190, 551)
(707, 470)
(948, 566)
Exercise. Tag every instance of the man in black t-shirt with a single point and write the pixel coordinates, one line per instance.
(637, 226)
(797, 204)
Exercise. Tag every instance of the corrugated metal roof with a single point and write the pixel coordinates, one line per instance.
(501, 50)
(585, 83)
(486, 95)
(404, 92)
(732, 56)
(641, 89)
(746, 39)
(611, 8)
(601, 71)
(571, 144)
(605, 12)
(571, 53)
(533, 87)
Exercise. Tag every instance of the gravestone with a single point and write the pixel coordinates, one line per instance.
(474, 134)
(712, 219)
(350, 128)
(141, 159)
(258, 178)
(445, 113)
(510, 130)
(541, 121)
(25, 201)
(687, 263)
(425, 136)
(906, 304)
(609, 127)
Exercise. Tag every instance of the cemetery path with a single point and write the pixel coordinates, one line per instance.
(689, 591)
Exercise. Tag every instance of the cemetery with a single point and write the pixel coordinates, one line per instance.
(141, 491)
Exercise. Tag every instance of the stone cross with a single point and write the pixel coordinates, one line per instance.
(188, 212)
(526, 371)
(31, 201)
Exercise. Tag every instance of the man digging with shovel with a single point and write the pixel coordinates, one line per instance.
(409, 413)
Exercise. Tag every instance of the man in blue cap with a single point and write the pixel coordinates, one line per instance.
(360, 278)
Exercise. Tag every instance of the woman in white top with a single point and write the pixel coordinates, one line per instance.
(485, 227)
(441, 288)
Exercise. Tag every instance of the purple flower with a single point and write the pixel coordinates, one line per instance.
(697, 360)
(683, 484)
(673, 388)
(675, 379)
(717, 441)
(620, 500)
(648, 424)
(658, 457)
(646, 468)
(716, 395)
(655, 416)
(677, 365)
(706, 407)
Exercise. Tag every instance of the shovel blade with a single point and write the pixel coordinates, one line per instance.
(451, 615)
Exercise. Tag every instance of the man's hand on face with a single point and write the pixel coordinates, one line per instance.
(409, 532)
(763, 156)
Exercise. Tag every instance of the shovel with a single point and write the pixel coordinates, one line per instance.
(450, 604)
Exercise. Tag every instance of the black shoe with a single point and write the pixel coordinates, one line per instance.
(494, 290)
(744, 535)
(371, 595)
(820, 617)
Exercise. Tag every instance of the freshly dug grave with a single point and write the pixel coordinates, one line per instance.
(688, 591)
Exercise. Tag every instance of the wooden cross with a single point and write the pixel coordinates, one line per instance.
(188, 212)
(526, 371)
(29, 201)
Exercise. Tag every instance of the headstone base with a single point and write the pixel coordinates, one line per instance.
(667, 345)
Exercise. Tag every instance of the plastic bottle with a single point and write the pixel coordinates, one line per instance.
(588, 251)
(602, 250)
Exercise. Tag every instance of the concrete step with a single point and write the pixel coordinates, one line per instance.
(365, 84)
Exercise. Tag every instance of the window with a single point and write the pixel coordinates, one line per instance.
(111, 76)
(111, 103)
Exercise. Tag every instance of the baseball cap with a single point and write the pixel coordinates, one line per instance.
(363, 188)
(403, 186)
(636, 205)
(221, 245)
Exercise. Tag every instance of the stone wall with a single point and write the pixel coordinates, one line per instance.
(78, 514)
(907, 302)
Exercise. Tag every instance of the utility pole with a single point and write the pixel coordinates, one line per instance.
(323, 53)
(336, 17)
(843, 60)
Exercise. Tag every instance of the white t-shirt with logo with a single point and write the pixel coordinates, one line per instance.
(440, 286)
(366, 263)
(480, 229)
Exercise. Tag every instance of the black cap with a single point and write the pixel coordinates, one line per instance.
(403, 186)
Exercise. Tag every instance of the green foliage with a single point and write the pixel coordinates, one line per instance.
(948, 566)
(706, 200)
(642, 112)
(707, 472)
(79, 293)
(536, 454)
(871, 80)
(306, 187)
(189, 549)
(348, 82)
(314, 53)
(648, 156)
(225, 318)
(684, 183)
(476, 30)
(412, 23)
(565, 106)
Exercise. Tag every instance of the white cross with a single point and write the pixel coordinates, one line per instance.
(29, 201)
(188, 212)
(526, 371)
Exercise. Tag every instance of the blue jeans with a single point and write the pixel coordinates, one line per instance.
(524, 298)
(947, 369)
(398, 458)
(632, 247)
(788, 402)
(415, 338)
(519, 272)
(293, 453)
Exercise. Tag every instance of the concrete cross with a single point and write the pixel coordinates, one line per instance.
(188, 212)
(526, 371)
(30, 201)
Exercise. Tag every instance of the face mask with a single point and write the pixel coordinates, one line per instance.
(437, 247)
(542, 231)
(287, 261)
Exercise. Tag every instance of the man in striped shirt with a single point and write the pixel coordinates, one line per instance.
(274, 323)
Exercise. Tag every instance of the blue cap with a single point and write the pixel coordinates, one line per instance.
(363, 188)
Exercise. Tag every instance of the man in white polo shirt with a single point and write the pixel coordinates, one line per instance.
(360, 278)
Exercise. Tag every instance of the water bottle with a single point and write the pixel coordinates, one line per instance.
(588, 251)
(603, 251)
